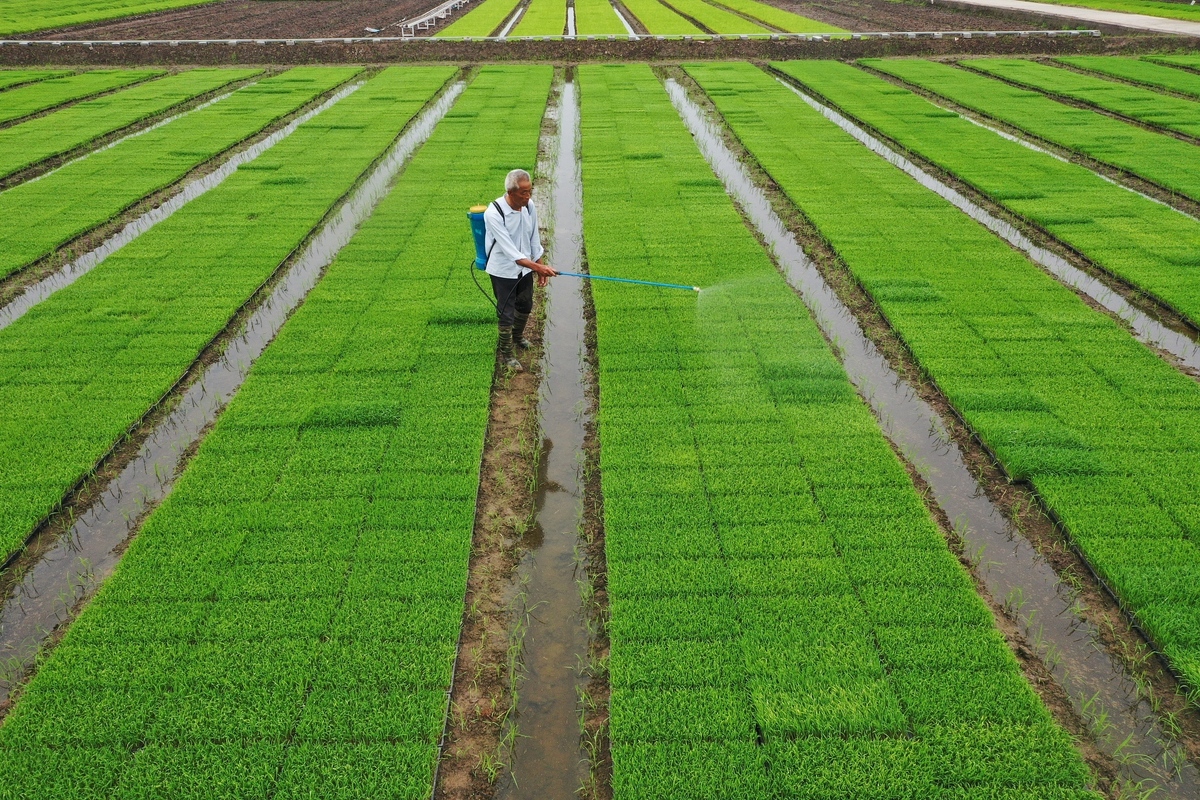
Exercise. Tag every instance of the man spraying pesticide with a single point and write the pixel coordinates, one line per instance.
(509, 248)
(514, 250)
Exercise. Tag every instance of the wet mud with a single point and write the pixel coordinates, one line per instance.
(47, 585)
(1104, 700)
(548, 759)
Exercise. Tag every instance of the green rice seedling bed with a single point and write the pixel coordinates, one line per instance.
(1153, 247)
(16, 77)
(285, 624)
(1154, 8)
(35, 97)
(596, 17)
(28, 143)
(482, 20)
(783, 20)
(781, 603)
(1103, 429)
(543, 18)
(40, 216)
(1186, 62)
(659, 19)
(84, 365)
(1144, 105)
(1157, 157)
(1140, 71)
(716, 19)
(23, 16)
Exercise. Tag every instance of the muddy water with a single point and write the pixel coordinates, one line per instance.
(1009, 566)
(548, 758)
(1146, 329)
(72, 567)
(76, 269)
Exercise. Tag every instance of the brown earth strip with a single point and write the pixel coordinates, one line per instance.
(600, 49)
(240, 19)
(596, 701)
(17, 282)
(476, 741)
(1016, 500)
(42, 167)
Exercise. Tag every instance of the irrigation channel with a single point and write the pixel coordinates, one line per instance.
(548, 759)
(1095, 682)
(73, 271)
(1148, 330)
(74, 566)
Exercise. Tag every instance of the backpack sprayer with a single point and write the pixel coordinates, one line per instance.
(475, 215)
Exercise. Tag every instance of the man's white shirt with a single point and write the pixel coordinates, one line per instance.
(511, 237)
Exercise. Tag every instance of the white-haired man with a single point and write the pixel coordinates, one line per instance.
(514, 253)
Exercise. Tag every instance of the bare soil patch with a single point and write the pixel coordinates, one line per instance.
(239, 19)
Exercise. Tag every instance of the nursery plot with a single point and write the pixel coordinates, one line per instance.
(1185, 62)
(543, 18)
(717, 20)
(37, 217)
(16, 77)
(1160, 158)
(306, 576)
(596, 17)
(78, 369)
(22, 16)
(1153, 247)
(1139, 70)
(778, 593)
(659, 19)
(777, 17)
(38, 139)
(481, 20)
(1103, 429)
(1144, 105)
(22, 101)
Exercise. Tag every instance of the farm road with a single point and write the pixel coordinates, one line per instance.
(1094, 16)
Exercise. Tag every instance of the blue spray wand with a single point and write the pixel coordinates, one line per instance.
(478, 230)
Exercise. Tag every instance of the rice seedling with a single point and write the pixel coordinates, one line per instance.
(87, 364)
(302, 638)
(1135, 102)
(767, 555)
(1159, 158)
(32, 98)
(1098, 425)
(1131, 236)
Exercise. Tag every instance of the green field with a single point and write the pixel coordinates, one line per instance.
(782, 610)
(24, 16)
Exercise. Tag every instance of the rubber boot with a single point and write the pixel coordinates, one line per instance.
(506, 349)
(518, 331)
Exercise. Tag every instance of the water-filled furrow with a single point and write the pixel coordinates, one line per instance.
(548, 758)
(73, 567)
(1146, 329)
(1009, 566)
(73, 271)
